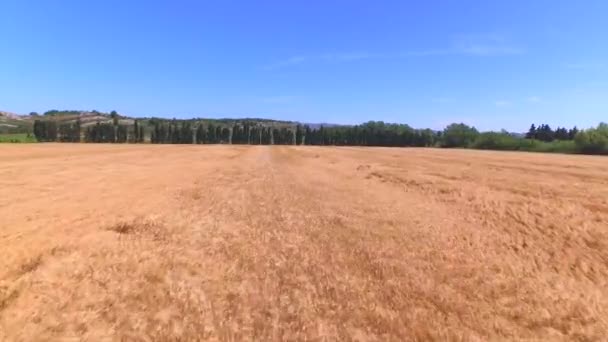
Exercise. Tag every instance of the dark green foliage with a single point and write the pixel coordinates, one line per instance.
(503, 141)
(499, 141)
(572, 133)
(122, 133)
(258, 135)
(541, 138)
(555, 146)
(459, 135)
(561, 133)
(594, 140)
(110, 133)
(209, 132)
(373, 133)
(546, 134)
(531, 132)
(69, 132)
(45, 130)
(55, 112)
(101, 133)
(266, 136)
(135, 136)
(242, 133)
(282, 136)
(211, 137)
(225, 136)
(201, 134)
(218, 135)
(175, 132)
(299, 135)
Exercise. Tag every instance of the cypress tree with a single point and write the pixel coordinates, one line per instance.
(135, 137)
(299, 135)
(218, 134)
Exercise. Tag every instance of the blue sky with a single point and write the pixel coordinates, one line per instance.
(492, 64)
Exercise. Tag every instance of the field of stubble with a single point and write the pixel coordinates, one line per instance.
(291, 243)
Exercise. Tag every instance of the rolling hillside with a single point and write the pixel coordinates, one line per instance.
(15, 123)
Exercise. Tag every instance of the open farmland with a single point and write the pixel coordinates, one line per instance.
(145, 242)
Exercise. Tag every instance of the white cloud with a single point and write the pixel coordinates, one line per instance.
(466, 45)
(502, 103)
(534, 99)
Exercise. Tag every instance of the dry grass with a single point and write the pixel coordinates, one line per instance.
(292, 243)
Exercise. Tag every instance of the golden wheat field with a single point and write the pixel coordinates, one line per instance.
(142, 243)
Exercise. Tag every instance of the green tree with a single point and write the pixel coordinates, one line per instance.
(572, 133)
(531, 132)
(458, 135)
(135, 137)
(594, 140)
(299, 135)
(200, 134)
(114, 117)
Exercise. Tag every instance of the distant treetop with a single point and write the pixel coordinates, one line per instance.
(55, 112)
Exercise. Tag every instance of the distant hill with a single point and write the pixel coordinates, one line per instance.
(15, 123)
(9, 115)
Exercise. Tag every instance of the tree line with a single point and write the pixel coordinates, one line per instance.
(372, 133)
(53, 131)
(540, 138)
(185, 132)
(546, 134)
(368, 134)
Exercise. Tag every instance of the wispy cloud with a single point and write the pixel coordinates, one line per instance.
(488, 50)
(424, 53)
(479, 45)
(295, 60)
(502, 103)
(328, 57)
(347, 57)
(485, 45)
(534, 99)
(473, 45)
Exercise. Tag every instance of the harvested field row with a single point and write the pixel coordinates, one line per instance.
(281, 243)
